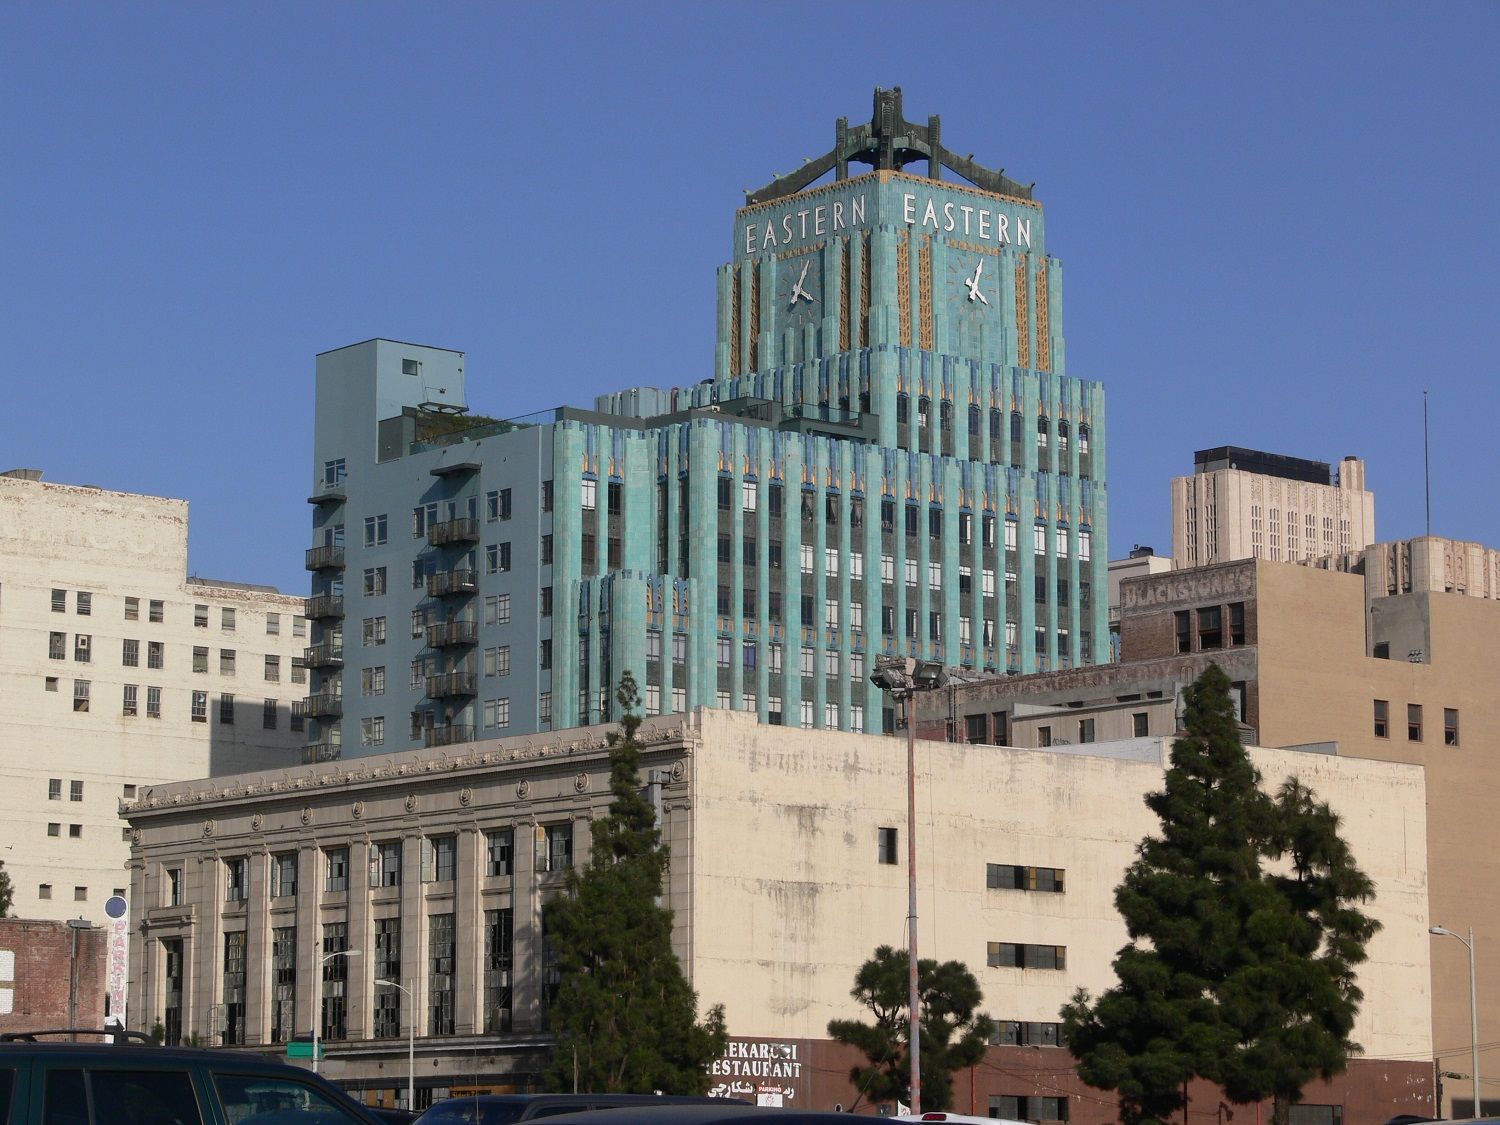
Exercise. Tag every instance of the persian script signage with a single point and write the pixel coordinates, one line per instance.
(767, 1072)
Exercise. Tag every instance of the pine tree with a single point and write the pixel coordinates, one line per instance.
(6, 895)
(624, 1019)
(1233, 974)
(954, 1033)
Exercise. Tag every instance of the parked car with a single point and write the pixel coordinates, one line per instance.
(943, 1117)
(506, 1109)
(645, 1113)
(127, 1079)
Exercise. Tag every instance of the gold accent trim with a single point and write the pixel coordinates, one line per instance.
(1043, 333)
(864, 289)
(736, 360)
(924, 294)
(845, 284)
(978, 247)
(753, 361)
(1023, 310)
(903, 285)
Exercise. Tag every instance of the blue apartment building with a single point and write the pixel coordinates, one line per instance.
(889, 458)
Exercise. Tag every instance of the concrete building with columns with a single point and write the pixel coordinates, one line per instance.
(887, 454)
(432, 866)
(120, 671)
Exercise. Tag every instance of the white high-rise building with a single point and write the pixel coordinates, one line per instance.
(1244, 504)
(119, 672)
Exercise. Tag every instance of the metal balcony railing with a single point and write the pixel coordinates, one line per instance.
(447, 583)
(328, 655)
(325, 606)
(327, 557)
(324, 706)
(322, 752)
(447, 735)
(447, 633)
(463, 530)
(450, 684)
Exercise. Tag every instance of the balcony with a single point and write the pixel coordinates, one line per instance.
(448, 532)
(321, 752)
(451, 633)
(447, 583)
(328, 655)
(324, 706)
(447, 735)
(453, 683)
(327, 557)
(325, 606)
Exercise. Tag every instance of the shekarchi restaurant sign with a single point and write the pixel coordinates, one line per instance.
(767, 1072)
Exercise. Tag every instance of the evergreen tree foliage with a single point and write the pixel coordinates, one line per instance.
(624, 1014)
(1236, 972)
(6, 895)
(954, 1033)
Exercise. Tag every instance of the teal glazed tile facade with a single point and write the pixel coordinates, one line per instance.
(891, 458)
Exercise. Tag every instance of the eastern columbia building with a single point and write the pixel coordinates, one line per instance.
(890, 457)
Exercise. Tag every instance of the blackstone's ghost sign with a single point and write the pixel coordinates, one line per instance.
(768, 1072)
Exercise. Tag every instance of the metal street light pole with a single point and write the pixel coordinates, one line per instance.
(1473, 1006)
(318, 1007)
(411, 1043)
(902, 678)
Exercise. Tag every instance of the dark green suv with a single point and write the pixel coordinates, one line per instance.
(131, 1081)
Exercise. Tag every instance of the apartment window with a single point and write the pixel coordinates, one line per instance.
(156, 611)
(80, 894)
(75, 790)
(1015, 955)
(1184, 622)
(439, 859)
(546, 495)
(153, 703)
(497, 609)
(273, 624)
(372, 680)
(374, 581)
(299, 670)
(1014, 877)
(57, 646)
(1021, 1107)
(1210, 627)
(373, 631)
(1414, 722)
(54, 789)
(200, 707)
(226, 619)
(375, 531)
(226, 710)
(334, 472)
(1027, 1033)
(1140, 724)
(236, 882)
(1382, 718)
(497, 558)
(130, 701)
(268, 715)
(1237, 623)
(226, 661)
(1450, 726)
(85, 603)
(130, 654)
(885, 845)
(546, 559)
(44, 890)
(385, 864)
(556, 848)
(546, 599)
(155, 654)
(200, 616)
(423, 516)
(59, 601)
(336, 870)
(497, 713)
(80, 695)
(174, 886)
(544, 656)
(284, 875)
(132, 609)
(499, 849)
(200, 658)
(273, 669)
(497, 505)
(54, 828)
(372, 730)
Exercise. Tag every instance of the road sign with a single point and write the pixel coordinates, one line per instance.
(302, 1049)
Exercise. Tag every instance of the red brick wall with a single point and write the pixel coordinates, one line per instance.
(43, 953)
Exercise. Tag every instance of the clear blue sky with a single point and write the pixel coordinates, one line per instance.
(1278, 220)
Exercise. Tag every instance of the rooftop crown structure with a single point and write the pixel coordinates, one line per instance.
(888, 460)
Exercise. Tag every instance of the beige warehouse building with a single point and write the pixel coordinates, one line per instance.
(433, 864)
(119, 672)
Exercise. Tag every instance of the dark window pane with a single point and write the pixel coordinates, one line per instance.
(64, 1102)
(145, 1097)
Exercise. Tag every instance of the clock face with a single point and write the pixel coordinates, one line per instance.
(799, 288)
(973, 285)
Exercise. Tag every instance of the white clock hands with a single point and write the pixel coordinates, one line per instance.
(972, 284)
(797, 291)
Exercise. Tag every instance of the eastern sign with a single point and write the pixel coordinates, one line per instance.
(964, 220)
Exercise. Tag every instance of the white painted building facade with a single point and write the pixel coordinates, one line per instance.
(118, 673)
